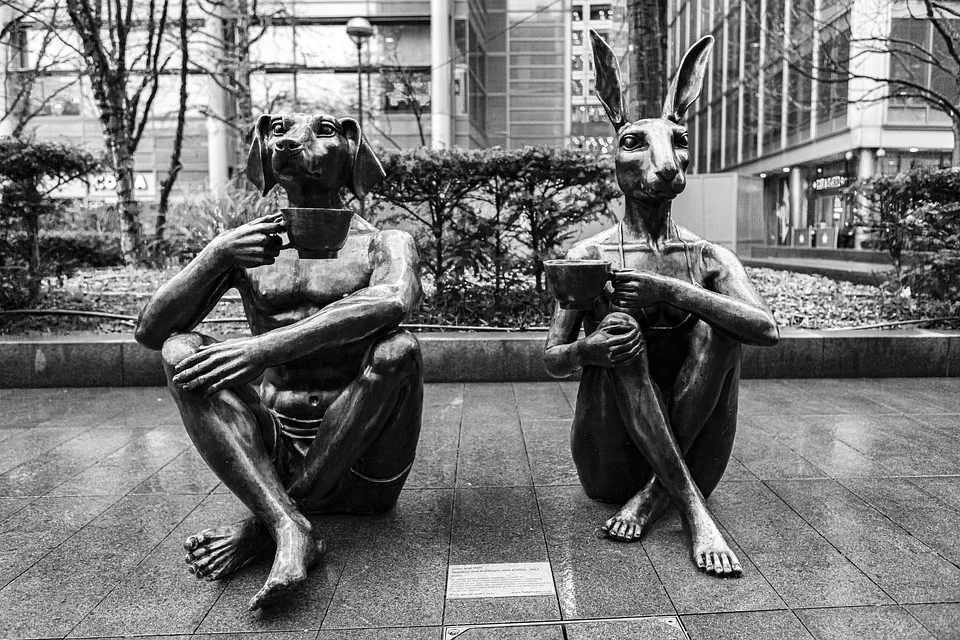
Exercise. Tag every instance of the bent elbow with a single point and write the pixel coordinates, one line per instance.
(770, 336)
(147, 335)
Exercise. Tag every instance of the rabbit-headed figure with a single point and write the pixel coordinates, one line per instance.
(657, 408)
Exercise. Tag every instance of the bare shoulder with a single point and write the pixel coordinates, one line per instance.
(589, 248)
(394, 244)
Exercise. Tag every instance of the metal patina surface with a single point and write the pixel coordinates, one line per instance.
(656, 411)
(333, 427)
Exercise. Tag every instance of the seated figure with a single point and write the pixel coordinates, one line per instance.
(333, 427)
(657, 406)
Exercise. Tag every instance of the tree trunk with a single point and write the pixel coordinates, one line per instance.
(129, 209)
(647, 40)
(33, 239)
(955, 160)
(166, 187)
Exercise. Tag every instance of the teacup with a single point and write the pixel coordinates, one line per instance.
(576, 284)
(317, 233)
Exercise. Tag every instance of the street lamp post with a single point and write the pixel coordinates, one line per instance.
(359, 30)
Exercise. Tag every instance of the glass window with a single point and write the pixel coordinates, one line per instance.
(578, 87)
(733, 48)
(751, 104)
(601, 12)
(752, 35)
(774, 29)
(800, 93)
(577, 62)
(716, 132)
(577, 38)
(703, 142)
(833, 77)
(716, 73)
(772, 104)
(402, 91)
(56, 96)
(578, 13)
(733, 129)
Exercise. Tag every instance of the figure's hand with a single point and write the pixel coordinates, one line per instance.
(612, 345)
(220, 366)
(636, 289)
(253, 244)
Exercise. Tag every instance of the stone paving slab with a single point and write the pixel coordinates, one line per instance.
(841, 501)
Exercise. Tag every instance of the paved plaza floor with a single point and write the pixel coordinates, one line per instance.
(842, 501)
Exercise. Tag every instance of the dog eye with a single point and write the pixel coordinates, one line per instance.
(680, 140)
(326, 129)
(278, 128)
(631, 142)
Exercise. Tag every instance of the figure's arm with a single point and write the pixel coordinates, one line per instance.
(732, 305)
(180, 304)
(393, 293)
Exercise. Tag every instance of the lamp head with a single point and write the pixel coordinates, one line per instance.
(359, 30)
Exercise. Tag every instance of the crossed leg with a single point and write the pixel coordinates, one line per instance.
(644, 416)
(229, 427)
(703, 417)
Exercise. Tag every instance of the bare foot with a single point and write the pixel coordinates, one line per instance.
(297, 552)
(712, 554)
(216, 553)
(640, 512)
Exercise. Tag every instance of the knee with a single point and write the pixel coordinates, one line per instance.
(618, 318)
(179, 346)
(394, 355)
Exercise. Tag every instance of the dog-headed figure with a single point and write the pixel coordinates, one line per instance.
(657, 407)
(334, 423)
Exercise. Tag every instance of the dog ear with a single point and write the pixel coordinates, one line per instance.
(259, 167)
(609, 89)
(365, 170)
(688, 81)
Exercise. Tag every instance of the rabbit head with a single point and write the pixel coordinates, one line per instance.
(653, 153)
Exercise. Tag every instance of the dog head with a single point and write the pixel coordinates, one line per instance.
(653, 153)
(308, 154)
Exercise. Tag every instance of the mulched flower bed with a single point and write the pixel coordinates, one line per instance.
(798, 300)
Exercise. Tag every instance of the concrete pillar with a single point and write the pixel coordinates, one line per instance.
(798, 210)
(218, 133)
(441, 112)
(866, 168)
(869, 28)
(6, 58)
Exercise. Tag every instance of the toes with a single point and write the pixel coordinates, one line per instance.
(737, 569)
(727, 568)
(701, 562)
(197, 539)
(609, 524)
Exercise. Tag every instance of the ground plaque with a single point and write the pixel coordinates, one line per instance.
(499, 580)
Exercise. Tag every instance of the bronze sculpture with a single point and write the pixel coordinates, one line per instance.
(656, 412)
(335, 422)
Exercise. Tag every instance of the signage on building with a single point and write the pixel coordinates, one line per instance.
(103, 186)
(829, 182)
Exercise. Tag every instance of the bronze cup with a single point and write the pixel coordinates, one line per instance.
(576, 284)
(317, 234)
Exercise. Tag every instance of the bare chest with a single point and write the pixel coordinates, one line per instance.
(292, 289)
(676, 259)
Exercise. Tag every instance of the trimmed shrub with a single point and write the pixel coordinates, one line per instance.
(917, 218)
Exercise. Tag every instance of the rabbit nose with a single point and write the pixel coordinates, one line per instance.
(288, 145)
(667, 174)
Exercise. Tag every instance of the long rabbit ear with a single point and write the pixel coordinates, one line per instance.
(366, 170)
(259, 167)
(609, 90)
(688, 81)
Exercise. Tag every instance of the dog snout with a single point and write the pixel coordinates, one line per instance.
(288, 145)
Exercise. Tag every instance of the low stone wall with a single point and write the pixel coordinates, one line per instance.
(101, 361)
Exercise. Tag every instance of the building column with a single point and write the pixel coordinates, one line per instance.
(6, 58)
(798, 210)
(441, 116)
(870, 22)
(218, 133)
(866, 168)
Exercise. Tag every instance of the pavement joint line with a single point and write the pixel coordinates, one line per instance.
(453, 503)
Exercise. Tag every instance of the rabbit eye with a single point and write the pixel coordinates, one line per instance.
(630, 142)
(680, 140)
(278, 128)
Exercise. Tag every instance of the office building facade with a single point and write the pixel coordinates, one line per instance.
(774, 106)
